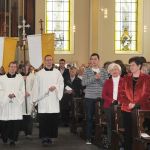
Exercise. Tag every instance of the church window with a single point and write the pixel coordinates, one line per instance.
(59, 20)
(127, 26)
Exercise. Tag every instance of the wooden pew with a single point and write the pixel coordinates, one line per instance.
(140, 142)
(99, 125)
(118, 132)
(77, 115)
(100, 138)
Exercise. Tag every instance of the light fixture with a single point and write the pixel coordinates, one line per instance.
(74, 28)
(105, 11)
(145, 28)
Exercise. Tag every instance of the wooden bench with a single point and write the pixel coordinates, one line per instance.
(118, 132)
(77, 115)
(140, 142)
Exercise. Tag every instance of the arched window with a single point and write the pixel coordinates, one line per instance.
(59, 20)
(127, 26)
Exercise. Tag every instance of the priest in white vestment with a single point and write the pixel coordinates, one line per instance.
(47, 92)
(12, 92)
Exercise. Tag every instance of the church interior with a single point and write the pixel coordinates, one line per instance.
(93, 31)
(113, 29)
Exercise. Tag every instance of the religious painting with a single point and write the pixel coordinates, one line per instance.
(127, 27)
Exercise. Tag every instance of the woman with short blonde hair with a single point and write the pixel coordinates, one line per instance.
(110, 95)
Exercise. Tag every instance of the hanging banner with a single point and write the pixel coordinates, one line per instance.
(48, 44)
(1, 50)
(9, 51)
(35, 50)
(40, 46)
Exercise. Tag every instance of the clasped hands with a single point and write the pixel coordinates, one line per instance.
(52, 88)
(97, 76)
(27, 94)
(11, 96)
(131, 105)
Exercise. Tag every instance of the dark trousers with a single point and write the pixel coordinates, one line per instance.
(65, 108)
(10, 129)
(27, 124)
(0, 128)
(109, 119)
(65, 117)
(90, 111)
(48, 125)
(127, 123)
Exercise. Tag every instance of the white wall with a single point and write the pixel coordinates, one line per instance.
(146, 39)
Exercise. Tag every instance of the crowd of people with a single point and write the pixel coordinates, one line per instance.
(52, 88)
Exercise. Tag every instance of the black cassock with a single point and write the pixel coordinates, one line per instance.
(49, 120)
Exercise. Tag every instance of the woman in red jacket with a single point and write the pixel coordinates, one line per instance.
(110, 94)
(135, 92)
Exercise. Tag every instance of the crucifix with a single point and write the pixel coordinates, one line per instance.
(23, 27)
(41, 25)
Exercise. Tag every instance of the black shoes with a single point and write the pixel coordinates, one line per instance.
(88, 142)
(46, 142)
(5, 140)
(49, 141)
(12, 143)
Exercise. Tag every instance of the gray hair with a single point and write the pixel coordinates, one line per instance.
(111, 67)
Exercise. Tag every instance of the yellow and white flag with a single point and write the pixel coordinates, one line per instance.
(40, 46)
(1, 50)
(7, 51)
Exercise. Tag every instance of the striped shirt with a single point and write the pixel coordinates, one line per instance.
(93, 86)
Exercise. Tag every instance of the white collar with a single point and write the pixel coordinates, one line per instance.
(97, 70)
(116, 78)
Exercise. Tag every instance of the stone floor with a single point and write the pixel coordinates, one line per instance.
(65, 141)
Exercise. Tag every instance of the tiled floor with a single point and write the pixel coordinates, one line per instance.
(65, 141)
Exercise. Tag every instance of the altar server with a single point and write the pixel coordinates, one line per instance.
(27, 122)
(12, 92)
(47, 92)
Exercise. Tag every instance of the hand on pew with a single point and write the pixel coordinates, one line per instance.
(137, 106)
